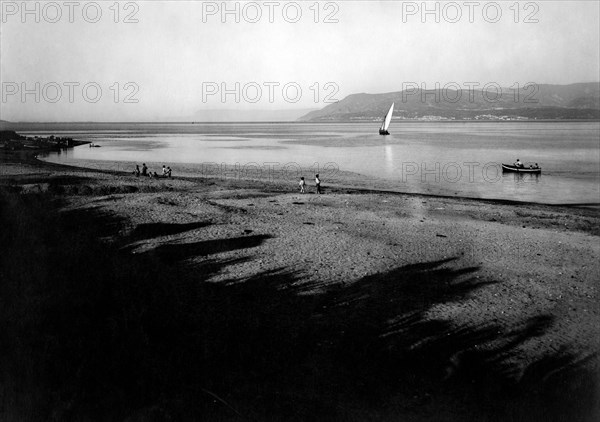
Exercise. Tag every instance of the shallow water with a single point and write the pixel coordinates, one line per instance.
(458, 158)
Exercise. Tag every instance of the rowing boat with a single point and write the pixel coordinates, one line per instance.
(515, 169)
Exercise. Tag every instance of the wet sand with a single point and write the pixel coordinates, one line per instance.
(263, 303)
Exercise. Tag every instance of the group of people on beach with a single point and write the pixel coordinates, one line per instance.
(519, 164)
(302, 184)
(166, 171)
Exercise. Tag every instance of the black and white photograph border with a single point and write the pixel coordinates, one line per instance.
(300, 211)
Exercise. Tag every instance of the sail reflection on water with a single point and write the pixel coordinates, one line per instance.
(388, 158)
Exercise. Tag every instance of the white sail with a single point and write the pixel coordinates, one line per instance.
(388, 118)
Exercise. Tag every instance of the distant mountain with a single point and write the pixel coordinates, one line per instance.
(232, 115)
(575, 101)
(248, 115)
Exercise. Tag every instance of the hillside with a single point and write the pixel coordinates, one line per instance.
(575, 101)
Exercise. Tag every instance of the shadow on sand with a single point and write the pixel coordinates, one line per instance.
(90, 331)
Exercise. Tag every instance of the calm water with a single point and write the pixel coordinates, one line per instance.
(441, 158)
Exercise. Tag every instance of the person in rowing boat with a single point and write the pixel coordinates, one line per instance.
(518, 163)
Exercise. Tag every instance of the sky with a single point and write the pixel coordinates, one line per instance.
(182, 60)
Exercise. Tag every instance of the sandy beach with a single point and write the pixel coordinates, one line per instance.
(208, 298)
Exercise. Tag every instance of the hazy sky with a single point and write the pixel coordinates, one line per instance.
(175, 57)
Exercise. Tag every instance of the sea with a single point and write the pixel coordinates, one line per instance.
(439, 158)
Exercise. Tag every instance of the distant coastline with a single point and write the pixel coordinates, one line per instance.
(11, 125)
(530, 102)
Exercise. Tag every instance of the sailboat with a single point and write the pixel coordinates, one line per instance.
(383, 130)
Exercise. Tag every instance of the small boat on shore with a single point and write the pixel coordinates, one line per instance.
(516, 169)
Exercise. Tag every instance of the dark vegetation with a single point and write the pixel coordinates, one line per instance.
(90, 330)
(10, 135)
(12, 141)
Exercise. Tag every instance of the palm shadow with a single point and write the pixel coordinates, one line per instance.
(105, 333)
(152, 230)
(181, 251)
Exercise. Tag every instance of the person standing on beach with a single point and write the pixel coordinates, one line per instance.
(164, 173)
(144, 170)
(168, 171)
(137, 170)
(302, 184)
(318, 183)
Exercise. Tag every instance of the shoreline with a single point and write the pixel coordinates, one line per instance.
(352, 305)
(191, 173)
